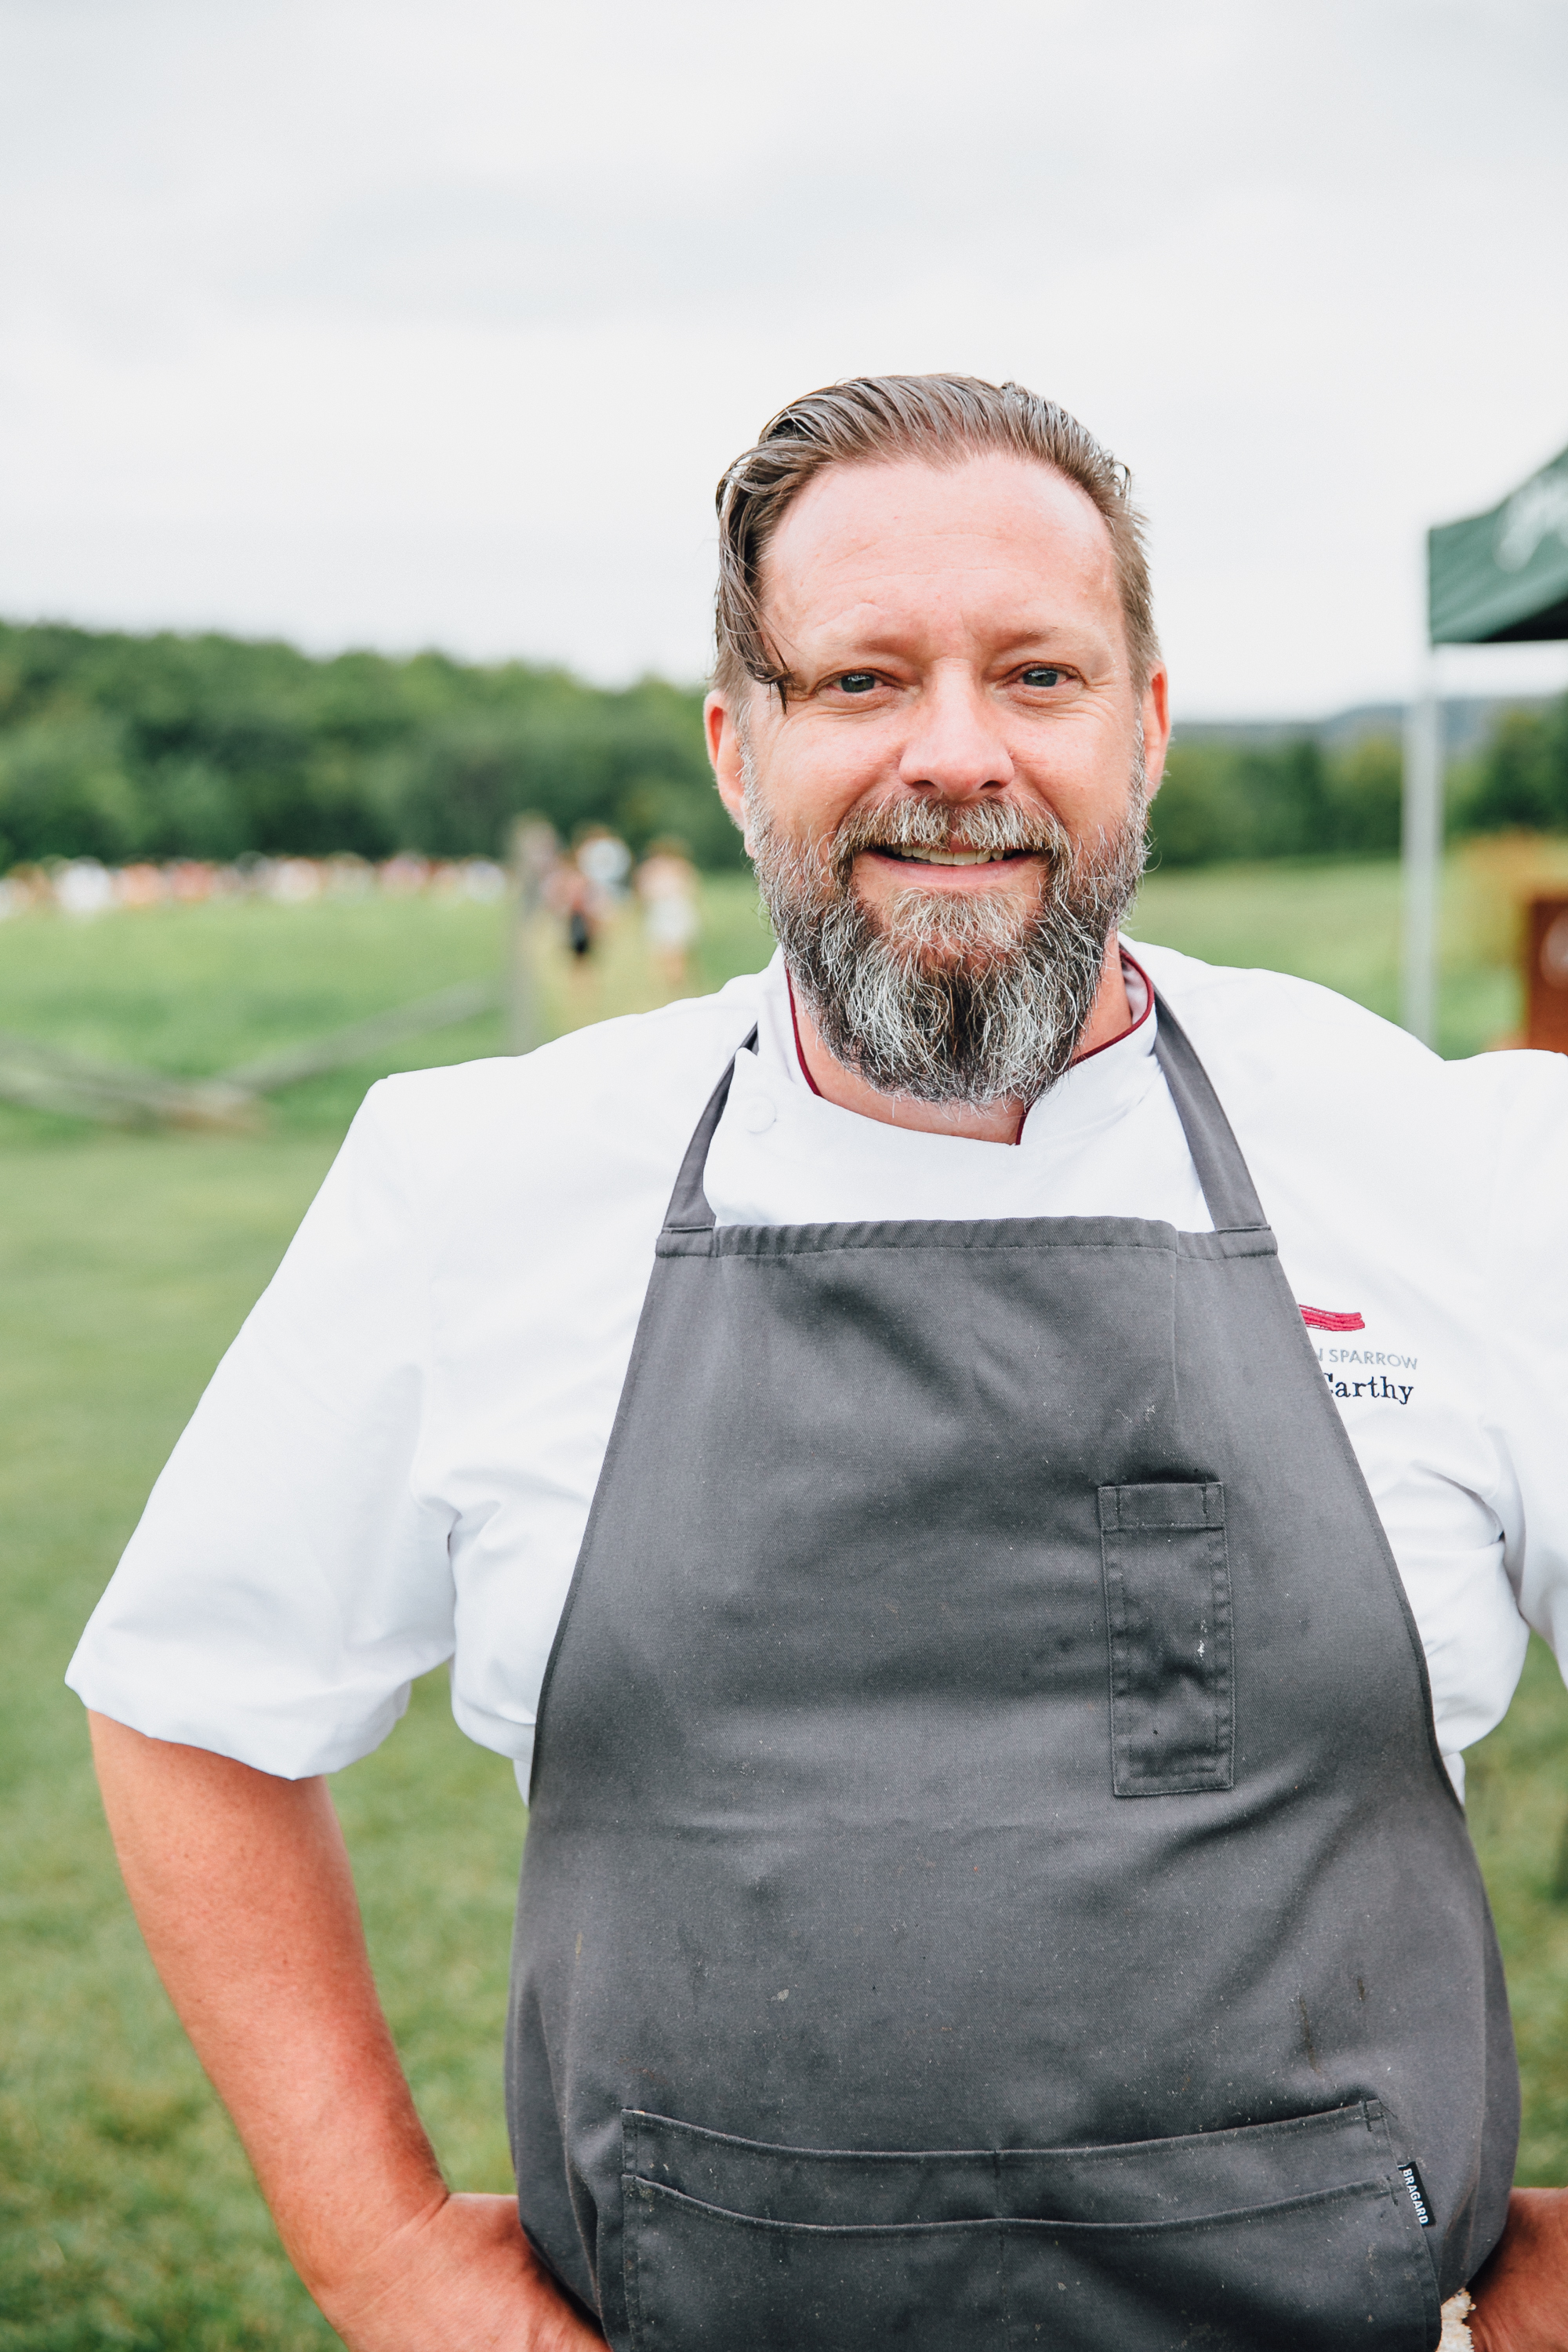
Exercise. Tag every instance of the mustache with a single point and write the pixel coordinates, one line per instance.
(912, 822)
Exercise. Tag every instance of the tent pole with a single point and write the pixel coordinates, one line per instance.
(1423, 851)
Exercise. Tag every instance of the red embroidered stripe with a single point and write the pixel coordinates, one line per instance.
(1323, 1319)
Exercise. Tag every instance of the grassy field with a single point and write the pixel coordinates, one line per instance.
(127, 2216)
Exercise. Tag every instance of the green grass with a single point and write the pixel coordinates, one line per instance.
(127, 1261)
(1517, 1792)
(191, 991)
(1338, 922)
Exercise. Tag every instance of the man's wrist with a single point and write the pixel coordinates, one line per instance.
(349, 2237)
(347, 2275)
(1521, 2293)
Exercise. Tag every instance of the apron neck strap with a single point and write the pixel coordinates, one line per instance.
(689, 1211)
(1228, 1188)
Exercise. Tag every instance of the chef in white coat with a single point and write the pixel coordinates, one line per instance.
(938, 707)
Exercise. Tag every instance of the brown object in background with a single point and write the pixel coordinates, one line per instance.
(1546, 974)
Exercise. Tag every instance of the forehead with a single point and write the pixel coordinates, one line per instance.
(996, 539)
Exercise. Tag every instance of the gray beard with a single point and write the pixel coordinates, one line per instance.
(943, 998)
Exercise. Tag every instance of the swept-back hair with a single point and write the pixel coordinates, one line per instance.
(940, 420)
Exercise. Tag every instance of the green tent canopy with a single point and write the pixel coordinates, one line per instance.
(1502, 578)
(1494, 579)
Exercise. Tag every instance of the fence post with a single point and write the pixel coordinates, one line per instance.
(531, 853)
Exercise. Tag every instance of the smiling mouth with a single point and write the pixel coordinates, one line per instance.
(952, 856)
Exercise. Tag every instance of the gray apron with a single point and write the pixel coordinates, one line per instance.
(991, 1879)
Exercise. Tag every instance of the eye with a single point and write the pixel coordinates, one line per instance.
(1042, 674)
(856, 681)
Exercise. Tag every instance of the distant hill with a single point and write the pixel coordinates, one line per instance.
(1468, 721)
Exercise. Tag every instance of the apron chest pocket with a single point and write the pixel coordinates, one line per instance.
(1296, 2236)
(1167, 1603)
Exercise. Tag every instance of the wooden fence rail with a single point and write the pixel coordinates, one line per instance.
(47, 1077)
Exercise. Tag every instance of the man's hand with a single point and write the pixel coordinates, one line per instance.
(1521, 2296)
(460, 2279)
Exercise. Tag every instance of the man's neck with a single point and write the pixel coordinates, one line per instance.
(995, 1122)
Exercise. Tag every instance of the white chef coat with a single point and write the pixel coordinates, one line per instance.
(393, 1464)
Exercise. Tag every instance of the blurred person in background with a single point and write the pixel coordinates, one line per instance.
(586, 888)
(606, 861)
(666, 884)
(986, 1475)
(576, 902)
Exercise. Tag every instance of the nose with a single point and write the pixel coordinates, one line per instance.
(954, 746)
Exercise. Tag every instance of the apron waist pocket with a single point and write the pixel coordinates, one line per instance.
(1299, 2235)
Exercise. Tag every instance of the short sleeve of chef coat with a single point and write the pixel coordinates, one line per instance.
(286, 1584)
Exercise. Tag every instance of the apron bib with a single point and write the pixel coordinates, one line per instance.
(991, 1879)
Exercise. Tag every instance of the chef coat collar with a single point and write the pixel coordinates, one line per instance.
(1097, 1089)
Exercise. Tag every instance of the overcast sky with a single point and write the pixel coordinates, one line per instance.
(433, 321)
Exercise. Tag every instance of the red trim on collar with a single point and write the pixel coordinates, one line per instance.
(799, 1049)
(1132, 1026)
(1078, 1059)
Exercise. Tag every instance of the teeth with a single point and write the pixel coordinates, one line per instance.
(955, 856)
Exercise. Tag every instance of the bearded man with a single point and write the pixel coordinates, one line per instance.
(983, 1476)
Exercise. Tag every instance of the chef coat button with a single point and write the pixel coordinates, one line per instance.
(758, 1114)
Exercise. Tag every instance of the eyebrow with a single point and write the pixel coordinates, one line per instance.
(1053, 642)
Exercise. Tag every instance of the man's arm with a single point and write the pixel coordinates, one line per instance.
(242, 1887)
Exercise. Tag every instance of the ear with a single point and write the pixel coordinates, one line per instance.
(724, 755)
(1156, 715)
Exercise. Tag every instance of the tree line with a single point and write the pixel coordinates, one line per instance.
(122, 747)
(1298, 798)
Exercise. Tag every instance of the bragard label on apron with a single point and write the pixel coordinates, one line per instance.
(991, 1879)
